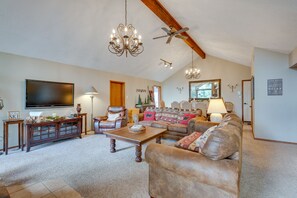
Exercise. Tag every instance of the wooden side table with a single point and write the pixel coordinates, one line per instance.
(83, 115)
(6, 124)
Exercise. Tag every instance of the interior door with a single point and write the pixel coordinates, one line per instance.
(246, 101)
(117, 93)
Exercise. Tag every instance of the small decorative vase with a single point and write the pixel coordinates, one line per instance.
(135, 119)
(78, 108)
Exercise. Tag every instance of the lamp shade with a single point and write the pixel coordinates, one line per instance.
(92, 91)
(216, 106)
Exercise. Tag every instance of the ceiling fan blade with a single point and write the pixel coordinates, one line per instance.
(181, 30)
(166, 30)
(181, 37)
(169, 39)
(160, 37)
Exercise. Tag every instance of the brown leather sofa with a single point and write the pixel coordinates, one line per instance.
(179, 173)
(174, 130)
(102, 123)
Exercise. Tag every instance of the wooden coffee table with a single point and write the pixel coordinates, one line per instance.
(137, 139)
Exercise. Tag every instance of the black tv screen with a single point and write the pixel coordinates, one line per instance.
(41, 94)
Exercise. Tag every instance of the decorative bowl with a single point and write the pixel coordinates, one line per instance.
(136, 131)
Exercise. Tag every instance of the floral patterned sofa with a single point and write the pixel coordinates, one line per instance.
(176, 121)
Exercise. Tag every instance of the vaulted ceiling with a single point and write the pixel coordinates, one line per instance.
(77, 32)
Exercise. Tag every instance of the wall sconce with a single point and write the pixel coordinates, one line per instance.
(179, 89)
(232, 87)
(167, 64)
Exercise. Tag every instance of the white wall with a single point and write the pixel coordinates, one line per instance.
(293, 58)
(211, 68)
(15, 69)
(275, 117)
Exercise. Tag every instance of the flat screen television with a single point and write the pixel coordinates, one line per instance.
(47, 94)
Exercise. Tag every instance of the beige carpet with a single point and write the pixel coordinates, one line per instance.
(269, 169)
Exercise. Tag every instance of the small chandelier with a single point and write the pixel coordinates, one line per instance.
(125, 39)
(192, 73)
(167, 64)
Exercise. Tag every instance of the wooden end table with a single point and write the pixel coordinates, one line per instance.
(20, 124)
(83, 115)
(137, 139)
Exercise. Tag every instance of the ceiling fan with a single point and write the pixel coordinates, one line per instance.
(173, 33)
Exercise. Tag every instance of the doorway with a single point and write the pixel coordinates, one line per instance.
(246, 101)
(157, 95)
(117, 93)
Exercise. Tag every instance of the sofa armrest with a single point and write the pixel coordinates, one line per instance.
(120, 122)
(223, 174)
(100, 118)
(197, 124)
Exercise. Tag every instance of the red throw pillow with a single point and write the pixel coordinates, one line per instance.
(187, 117)
(149, 116)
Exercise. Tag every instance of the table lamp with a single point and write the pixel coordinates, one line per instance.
(216, 107)
(92, 91)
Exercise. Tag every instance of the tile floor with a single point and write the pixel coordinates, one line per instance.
(56, 188)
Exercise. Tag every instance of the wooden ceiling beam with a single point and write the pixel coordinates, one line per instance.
(156, 7)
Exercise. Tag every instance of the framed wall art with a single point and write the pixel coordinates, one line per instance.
(13, 115)
(275, 87)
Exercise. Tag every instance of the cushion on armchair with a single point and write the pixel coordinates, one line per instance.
(113, 116)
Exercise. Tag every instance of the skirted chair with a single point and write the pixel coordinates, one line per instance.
(175, 105)
(185, 105)
(116, 117)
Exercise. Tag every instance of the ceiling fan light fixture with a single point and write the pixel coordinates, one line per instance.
(125, 39)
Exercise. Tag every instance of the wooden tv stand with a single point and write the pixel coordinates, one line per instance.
(44, 132)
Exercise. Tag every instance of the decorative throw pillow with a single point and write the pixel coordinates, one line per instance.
(203, 138)
(113, 116)
(186, 118)
(188, 142)
(149, 115)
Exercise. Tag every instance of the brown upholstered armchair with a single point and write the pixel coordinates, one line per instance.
(116, 117)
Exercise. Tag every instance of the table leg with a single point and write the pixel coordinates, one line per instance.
(22, 136)
(85, 124)
(158, 140)
(28, 136)
(19, 133)
(138, 153)
(112, 145)
(3, 136)
(6, 139)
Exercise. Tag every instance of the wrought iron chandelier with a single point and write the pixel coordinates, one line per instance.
(192, 73)
(125, 39)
